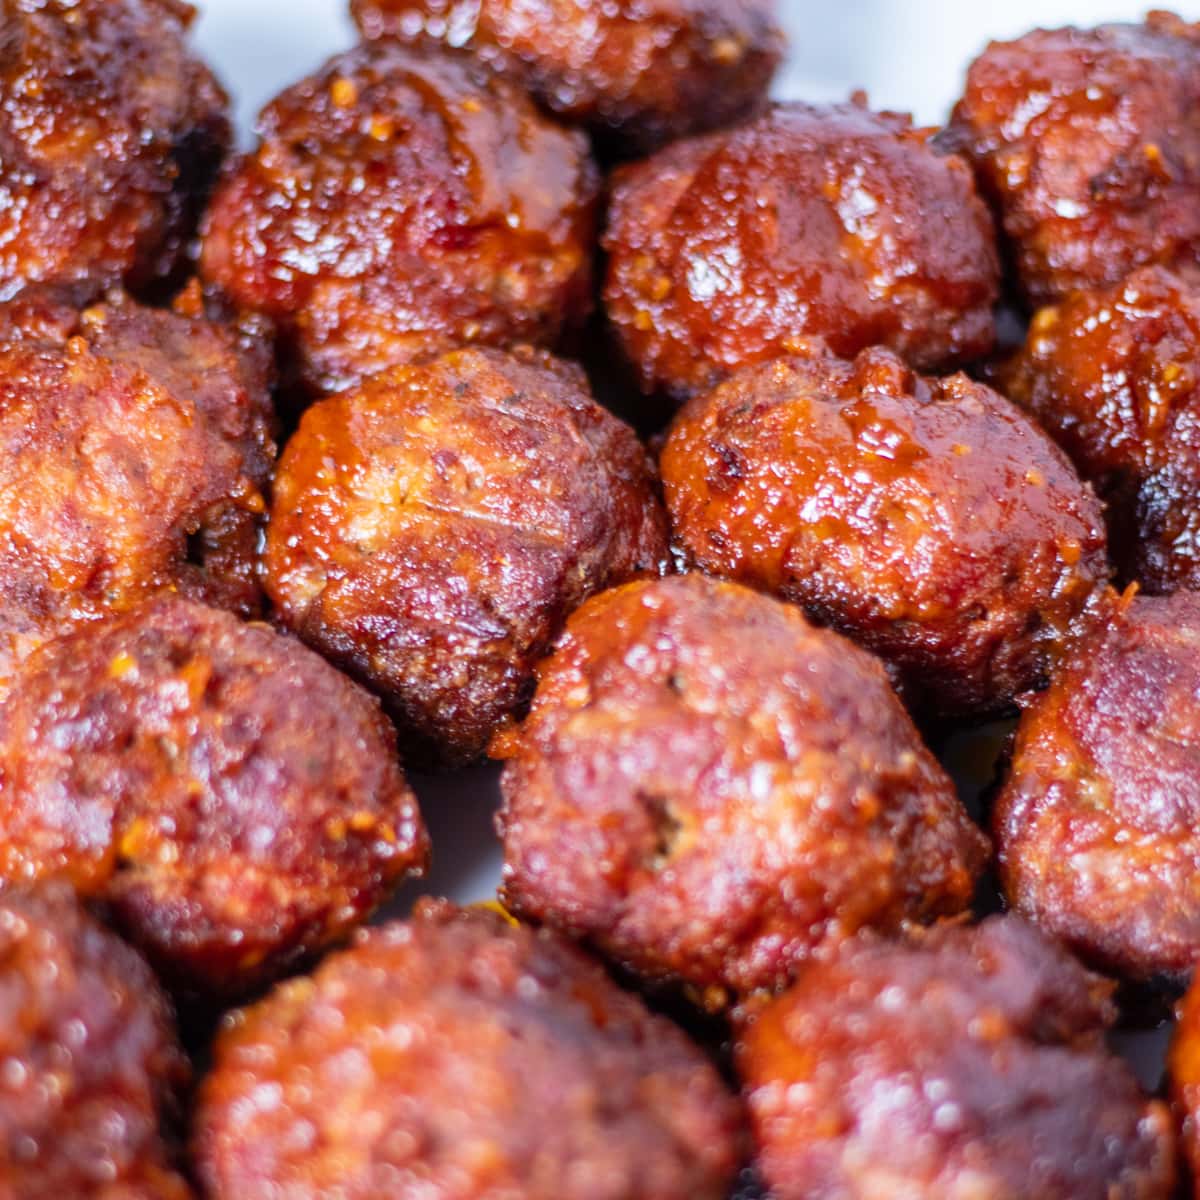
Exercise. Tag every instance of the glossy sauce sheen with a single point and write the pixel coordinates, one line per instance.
(470, 1059)
(637, 73)
(928, 519)
(432, 530)
(110, 134)
(709, 789)
(835, 222)
(165, 764)
(401, 203)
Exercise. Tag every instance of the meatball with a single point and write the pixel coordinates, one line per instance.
(1114, 375)
(227, 798)
(969, 1064)
(1098, 824)
(400, 204)
(431, 531)
(469, 1058)
(638, 73)
(1183, 1072)
(110, 135)
(1087, 141)
(134, 445)
(835, 222)
(710, 790)
(928, 519)
(91, 1067)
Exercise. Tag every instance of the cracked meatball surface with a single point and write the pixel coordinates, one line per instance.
(969, 1064)
(431, 531)
(228, 799)
(833, 221)
(91, 1065)
(928, 519)
(1114, 375)
(470, 1058)
(134, 447)
(110, 134)
(1087, 142)
(401, 203)
(637, 73)
(1096, 825)
(709, 789)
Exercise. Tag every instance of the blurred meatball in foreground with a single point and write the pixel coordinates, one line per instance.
(134, 447)
(399, 204)
(637, 74)
(970, 1064)
(709, 789)
(1088, 143)
(110, 135)
(1114, 376)
(1098, 823)
(928, 519)
(468, 1058)
(1183, 1075)
(230, 800)
(431, 531)
(831, 221)
(91, 1067)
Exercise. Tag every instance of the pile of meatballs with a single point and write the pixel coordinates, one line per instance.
(303, 481)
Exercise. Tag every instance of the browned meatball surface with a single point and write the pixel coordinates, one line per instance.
(1114, 375)
(229, 799)
(835, 222)
(468, 1058)
(1088, 143)
(401, 203)
(969, 1066)
(431, 531)
(110, 134)
(928, 519)
(638, 73)
(710, 789)
(1097, 824)
(134, 445)
(90, 1065)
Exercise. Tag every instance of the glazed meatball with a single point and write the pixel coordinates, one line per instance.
(227, 798)
(469, 1058)
(134, 445)
(638, 73)
(928, 519)
(91, 1067)
(110, 135)
(970, 1064)
(400, 204)
(834, 222)
(431, 531)
(1087, 141)
(709, 790)
(1114, 375)
(1097, 823)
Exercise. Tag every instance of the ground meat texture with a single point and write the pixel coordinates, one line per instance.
(401, 203)
(1183, 1072)
(134, 445)
(709, 789)
(1088, 143)
(836, 222)
(969, 1065)
(638, 73)
(431, 532)
(110, 134)
(1114, 375)
(230, 800)
(469, 1058)
(1097, 823)
(90, 1063)
(928, 519)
